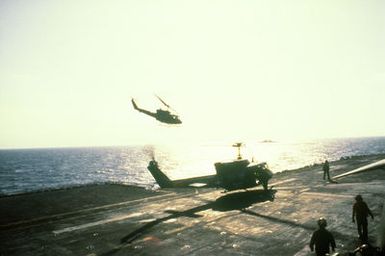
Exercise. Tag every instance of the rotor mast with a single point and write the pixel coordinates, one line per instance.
(238, 145)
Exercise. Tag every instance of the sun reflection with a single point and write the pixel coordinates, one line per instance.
(181, 161)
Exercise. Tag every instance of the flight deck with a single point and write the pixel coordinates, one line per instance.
(113, 219)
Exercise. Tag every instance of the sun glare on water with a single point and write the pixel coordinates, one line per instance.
(195, 160)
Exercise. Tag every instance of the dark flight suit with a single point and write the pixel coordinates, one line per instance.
(322, 238)
(361, 212)
(326, 168)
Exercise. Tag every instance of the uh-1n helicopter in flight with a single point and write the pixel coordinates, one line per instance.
(164, 116)
(233, 175)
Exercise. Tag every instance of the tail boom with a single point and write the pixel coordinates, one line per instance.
(165, 182)
(142, 110)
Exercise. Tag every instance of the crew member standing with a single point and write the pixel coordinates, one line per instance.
(326, 168)
(360, 214)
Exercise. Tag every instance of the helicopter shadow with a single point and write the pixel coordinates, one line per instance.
(236, 201)
(242, 200)
(229, 202)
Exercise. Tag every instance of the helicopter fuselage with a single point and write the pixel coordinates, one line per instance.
(161, 115)
(166, 117)
(235, 175)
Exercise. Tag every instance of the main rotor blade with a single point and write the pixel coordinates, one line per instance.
(165, 103)
(162, 101)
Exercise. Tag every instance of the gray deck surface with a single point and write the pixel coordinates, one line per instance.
(123, 220)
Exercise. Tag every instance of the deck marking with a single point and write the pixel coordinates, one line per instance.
(283, 181)
(304, 190)
(290, 188)
(96, 223)
(326, 195)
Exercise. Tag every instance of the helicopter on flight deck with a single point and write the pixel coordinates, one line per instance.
(164, 116)
(232, 175)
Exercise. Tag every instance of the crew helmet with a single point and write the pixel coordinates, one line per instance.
(322, 222)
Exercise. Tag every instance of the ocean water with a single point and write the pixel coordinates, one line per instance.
(25, 170)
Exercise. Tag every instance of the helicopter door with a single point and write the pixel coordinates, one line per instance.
(235, 175)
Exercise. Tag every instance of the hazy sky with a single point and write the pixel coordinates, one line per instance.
(233, 69)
